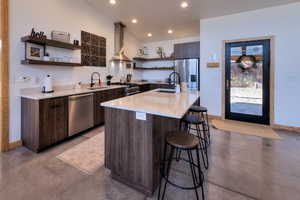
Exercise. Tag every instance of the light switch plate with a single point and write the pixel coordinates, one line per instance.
(141, 116)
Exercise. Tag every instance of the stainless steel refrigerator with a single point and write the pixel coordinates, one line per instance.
(189, 72)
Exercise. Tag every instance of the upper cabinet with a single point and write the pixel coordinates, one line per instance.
(187, 50)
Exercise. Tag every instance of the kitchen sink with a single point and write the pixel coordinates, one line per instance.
(166, 91)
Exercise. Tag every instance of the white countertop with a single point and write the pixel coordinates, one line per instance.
(146, 82)
(63, 92)
(163, 104)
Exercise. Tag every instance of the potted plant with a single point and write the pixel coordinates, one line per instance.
(46, 57)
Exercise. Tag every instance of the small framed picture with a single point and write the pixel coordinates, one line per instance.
(34, 51)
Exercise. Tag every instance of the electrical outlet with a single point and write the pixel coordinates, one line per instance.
(23, 79)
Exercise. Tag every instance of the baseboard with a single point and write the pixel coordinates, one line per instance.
(14, 145)
(215, 117)
(287, 128)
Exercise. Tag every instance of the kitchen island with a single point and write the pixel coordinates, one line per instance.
(135, 131)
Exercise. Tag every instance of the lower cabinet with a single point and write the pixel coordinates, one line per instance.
(103, 96)
(145, 87)
(164, 86)
(44, 122)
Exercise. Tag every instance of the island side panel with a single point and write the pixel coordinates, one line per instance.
(162, 126)
(129, 149)
(134, 148)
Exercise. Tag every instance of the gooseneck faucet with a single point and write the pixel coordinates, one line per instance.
(176, 79)
(92, 78)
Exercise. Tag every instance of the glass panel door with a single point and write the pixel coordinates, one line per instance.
(247, 81)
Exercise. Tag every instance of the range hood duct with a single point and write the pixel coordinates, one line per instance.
(119, 44)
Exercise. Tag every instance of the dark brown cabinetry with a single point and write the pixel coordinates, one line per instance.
(99, 98)
(44, 122)
(187, 50)
(163, 86)
(104, 96)
(145, 87)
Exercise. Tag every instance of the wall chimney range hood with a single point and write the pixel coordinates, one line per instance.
(119, 44)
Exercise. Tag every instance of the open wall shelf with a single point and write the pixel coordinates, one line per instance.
(41, 62)
(155, 68)
(52, 43)
(153, 59)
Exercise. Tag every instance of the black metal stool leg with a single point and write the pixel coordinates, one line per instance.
(168, 171)
(178, 154)
(201, 177)
(193, 173)
(162, 171)
(182, 141)
(203, 148)
(207, 126)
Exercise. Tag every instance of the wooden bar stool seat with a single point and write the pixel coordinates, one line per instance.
(182, 140)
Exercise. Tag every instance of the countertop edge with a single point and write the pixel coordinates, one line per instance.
(140, 110)
(72, 92)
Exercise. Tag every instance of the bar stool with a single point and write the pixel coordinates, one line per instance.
(203, 113)
(190, 120)
(181, 141)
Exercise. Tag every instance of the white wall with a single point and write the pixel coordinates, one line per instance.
(283, 23)
(65, 15)
(168, 46)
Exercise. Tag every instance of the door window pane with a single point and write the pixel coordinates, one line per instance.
(246, 93)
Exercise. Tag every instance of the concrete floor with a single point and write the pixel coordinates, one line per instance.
(241, 167)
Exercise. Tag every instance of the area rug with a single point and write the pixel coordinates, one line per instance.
(87, 156)
(245, 128)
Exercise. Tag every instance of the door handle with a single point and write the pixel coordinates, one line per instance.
(227, 84)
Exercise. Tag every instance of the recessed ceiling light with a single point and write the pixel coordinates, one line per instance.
(134, 21)
(113, 2)
(184, 4)
(149, 34)
(170, 31)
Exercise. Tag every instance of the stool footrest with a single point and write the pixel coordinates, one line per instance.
(185, 187)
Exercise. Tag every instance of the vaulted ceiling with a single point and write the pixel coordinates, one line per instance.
(158, 16)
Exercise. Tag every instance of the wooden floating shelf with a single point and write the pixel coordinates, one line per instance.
(154, 68)
(153, 59)
(52, 43)
(41, 62)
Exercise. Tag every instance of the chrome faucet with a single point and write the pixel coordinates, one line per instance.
(176, 78)
(92, 78)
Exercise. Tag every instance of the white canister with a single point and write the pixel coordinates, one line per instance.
(48, 84)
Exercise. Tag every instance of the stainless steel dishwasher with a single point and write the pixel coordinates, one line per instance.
(81, 113)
